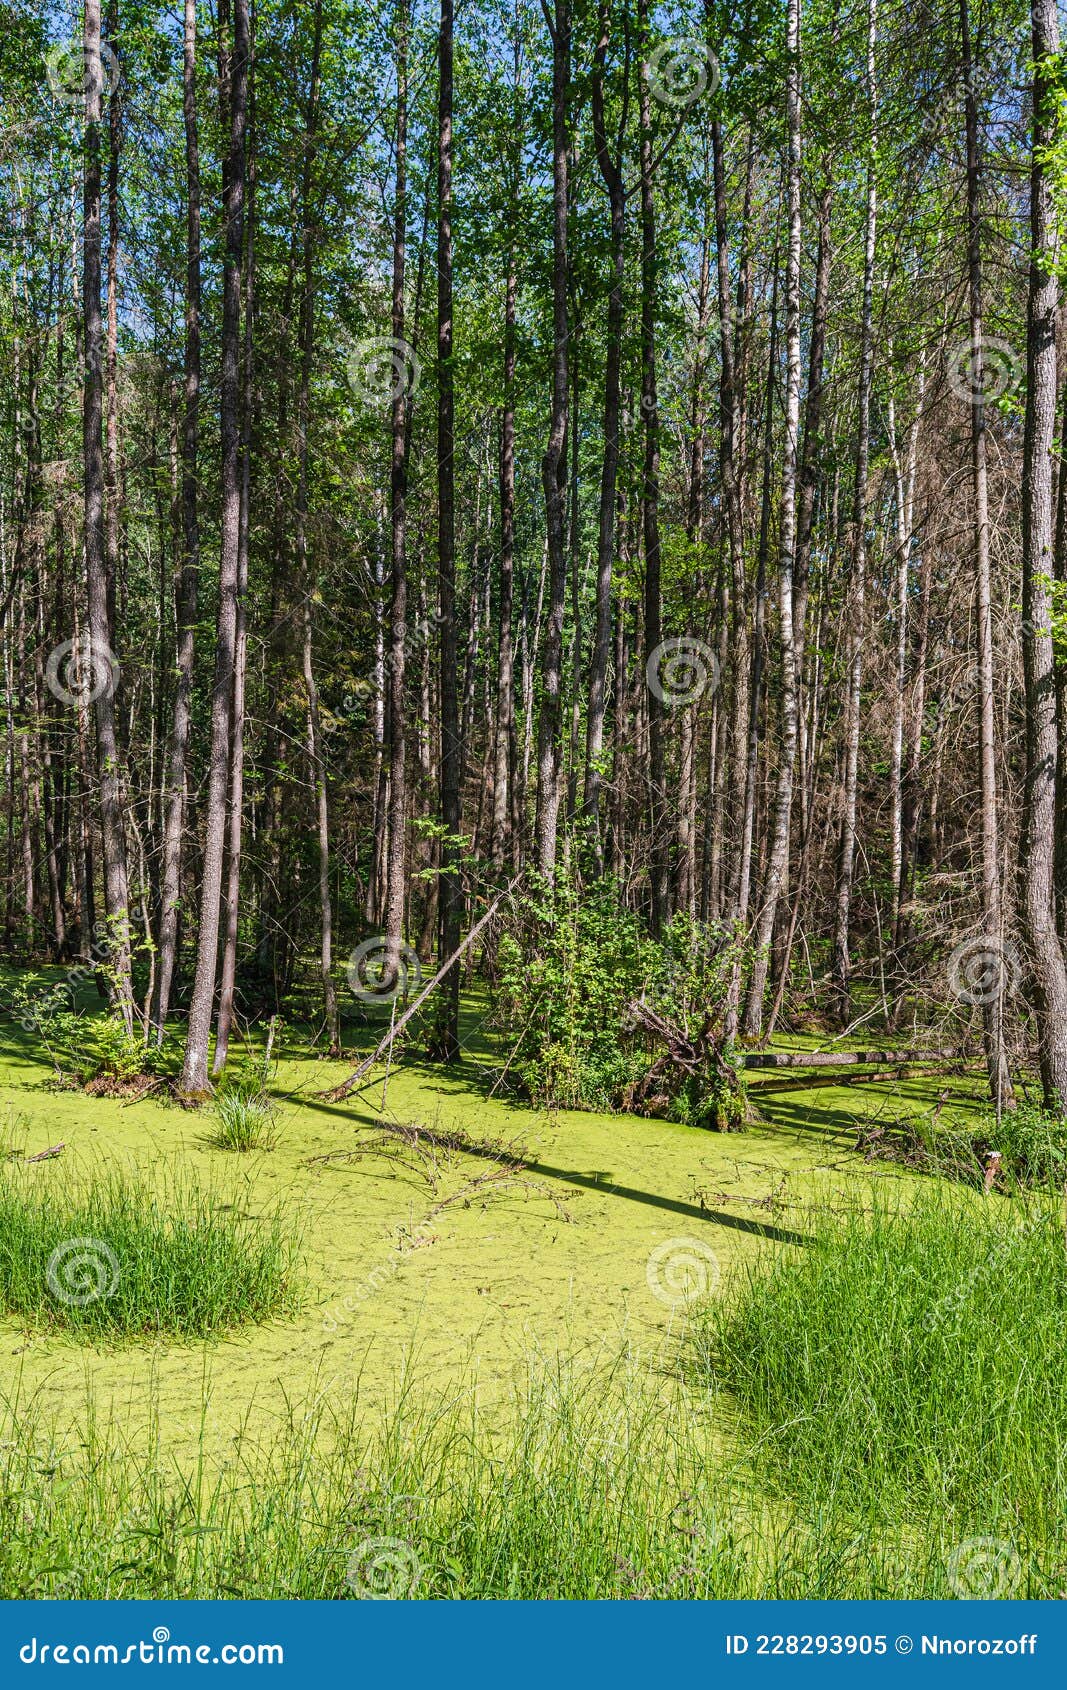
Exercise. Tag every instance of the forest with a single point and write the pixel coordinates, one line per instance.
(533, 604)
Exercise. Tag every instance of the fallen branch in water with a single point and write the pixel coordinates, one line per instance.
(685, 1058)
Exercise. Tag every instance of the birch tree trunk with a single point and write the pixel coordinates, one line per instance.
(195, 1075)
(778, 857)
(1039, 797)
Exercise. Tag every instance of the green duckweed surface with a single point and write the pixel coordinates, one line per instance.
(564, 1234)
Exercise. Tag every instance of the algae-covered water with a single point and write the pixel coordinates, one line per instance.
(564, 1234)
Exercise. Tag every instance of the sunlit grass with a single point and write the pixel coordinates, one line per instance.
(908, 1370)
(112, 1256)
(586, 1486)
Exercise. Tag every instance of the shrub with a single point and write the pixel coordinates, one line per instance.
(116, 1257)
(569, 964)
(1031, 1144)
(86, 1047)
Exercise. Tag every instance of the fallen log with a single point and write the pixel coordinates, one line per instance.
(773, 1086)
(842, 1058)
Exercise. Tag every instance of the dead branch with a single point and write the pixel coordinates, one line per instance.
(338, 1093)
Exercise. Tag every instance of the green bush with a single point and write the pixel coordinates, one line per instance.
(82, 1046)
(568, 965)
(571, 962)
(1031, 1143)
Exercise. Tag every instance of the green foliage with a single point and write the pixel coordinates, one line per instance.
(1031, 1144)
(907, 1367)
(568, 965)
(115, 1257)
(85, 1047)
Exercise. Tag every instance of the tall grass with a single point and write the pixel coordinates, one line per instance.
(909, 1370)
(114, 1257)
(245, 1123)
(583, 1487)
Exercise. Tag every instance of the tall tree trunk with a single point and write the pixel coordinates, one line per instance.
(1039, 797)
(112, 479)
(450, 903)
(305, 570)
(504, 747)
(904, 466)
(116, 888)
(195, 1074)
(659, 855)
(778, 856)
(992, 914)
(811, 453)
(187, 577)
(554, 463)
(235, 824)
(738, 732)
(610, 165)
(398, 492)
(841, 960)
(808, 476)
